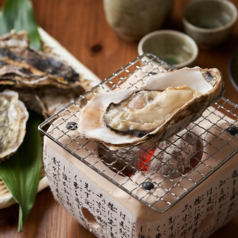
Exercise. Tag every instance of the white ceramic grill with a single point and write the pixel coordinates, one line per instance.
(130, 171)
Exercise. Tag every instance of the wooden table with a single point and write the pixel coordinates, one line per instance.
(80, 26)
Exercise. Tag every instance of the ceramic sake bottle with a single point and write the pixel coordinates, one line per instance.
(133, 19)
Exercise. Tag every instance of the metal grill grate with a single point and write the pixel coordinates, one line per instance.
(158, 183)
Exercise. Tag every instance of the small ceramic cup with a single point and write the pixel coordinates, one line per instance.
(209, 22)
(174, 47)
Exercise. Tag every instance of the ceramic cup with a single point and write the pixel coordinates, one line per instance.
(132, 19)
(209, 22)
(174, 47)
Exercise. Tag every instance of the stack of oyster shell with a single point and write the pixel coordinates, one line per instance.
(147, 116)
(30, 79)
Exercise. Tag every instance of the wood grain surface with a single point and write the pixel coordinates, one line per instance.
(80, 26)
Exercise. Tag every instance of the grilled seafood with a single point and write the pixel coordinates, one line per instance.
(34, 74)
(129, 117)
(13, 118)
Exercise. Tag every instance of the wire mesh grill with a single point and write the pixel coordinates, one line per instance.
(161, 175)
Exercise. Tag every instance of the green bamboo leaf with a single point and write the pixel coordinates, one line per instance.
(19, 15)
(21, 172)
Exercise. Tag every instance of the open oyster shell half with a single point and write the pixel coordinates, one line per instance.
(13, 118)
(164, 105)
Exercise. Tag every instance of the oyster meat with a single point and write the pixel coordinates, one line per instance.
(38, 77)
(13, 118)
(136, 114)
(164, 105)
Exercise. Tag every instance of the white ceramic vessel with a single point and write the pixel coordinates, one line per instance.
(112, 205)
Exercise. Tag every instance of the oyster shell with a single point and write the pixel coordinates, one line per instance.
(22, 65)
(13, 118)
(34, 74)
(92, 122)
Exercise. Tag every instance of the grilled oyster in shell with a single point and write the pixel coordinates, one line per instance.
(40, 78)
(22, 65)
(125, 117)
(13, 118)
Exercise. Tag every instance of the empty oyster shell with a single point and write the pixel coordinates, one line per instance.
(195, 88)
(13, 118)
(38, 77)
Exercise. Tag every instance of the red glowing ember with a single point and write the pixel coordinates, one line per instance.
(145, 157)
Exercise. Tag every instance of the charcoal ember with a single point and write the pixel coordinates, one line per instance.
(174, 155)
(124, 161)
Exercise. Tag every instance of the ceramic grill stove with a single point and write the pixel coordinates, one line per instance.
(125, 193)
